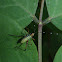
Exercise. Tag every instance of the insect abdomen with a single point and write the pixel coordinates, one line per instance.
(25, 39)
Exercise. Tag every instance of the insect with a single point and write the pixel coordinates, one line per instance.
(24, 39)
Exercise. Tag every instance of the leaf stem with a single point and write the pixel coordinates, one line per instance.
(35, 19)
(40, 33)
(46, 21)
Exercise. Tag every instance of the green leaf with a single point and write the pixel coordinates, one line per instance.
(58, 56)
(19, 10)
(14, 16)
(55, 12)
(7, 43)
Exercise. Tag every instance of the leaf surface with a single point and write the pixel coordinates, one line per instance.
(55, 12)
(58, 56)
(21, 11)
(14, 16)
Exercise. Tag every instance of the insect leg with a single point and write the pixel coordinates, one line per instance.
(14, 35)
(18, 46)
(33, 38)
(26, 45)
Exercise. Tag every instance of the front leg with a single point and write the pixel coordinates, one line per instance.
(14, 35)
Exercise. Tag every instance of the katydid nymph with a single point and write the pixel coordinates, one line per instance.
(24, 39)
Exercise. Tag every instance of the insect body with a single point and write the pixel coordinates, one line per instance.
(25, 39)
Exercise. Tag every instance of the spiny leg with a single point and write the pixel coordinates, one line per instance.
(18, 46)
(31, 43)
(26, 45)
(22, 35)
(33, 38)
(14, 35)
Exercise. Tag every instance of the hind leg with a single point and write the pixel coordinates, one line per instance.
(26, 45)
(18, 47)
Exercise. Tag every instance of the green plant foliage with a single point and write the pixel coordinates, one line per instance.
(14, 16)
(55, 12)
(21, 11)
(58, 56)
